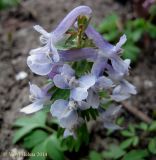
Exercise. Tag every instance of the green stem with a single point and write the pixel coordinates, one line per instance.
(49, 129)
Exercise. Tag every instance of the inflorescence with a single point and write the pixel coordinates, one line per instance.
(73, 40)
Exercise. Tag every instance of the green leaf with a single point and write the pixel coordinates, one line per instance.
(8, 3)
(136, 155)
(37, 118)
(20, 133)
(93, 155)
(153, 126)
(127, 133)
(71, 144)
(125, 144)
(34, 138)
(54, 148)
(111, 36)
(40, 152)
(143, 126)
(135, 140)
(28, 124)
(131, 51)
(109, 23)
(152, 146)
(136, 35)
(113, 152)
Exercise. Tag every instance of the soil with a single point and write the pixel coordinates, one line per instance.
(17, 37)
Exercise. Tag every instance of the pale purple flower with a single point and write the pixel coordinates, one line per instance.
(71, 18)
(42, 59)
(117, 75)
(66, 113)
(107, 51)
(79, 87)
(102, 83)
(108, 73)
(49, 41)
(80, 92)
(109, 115)
(123, 91)
(39, 97)
(42, 64)
(65, 79)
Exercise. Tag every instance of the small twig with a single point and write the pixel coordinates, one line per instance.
(137, 113)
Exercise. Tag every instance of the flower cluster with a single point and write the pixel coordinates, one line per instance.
(108, 71)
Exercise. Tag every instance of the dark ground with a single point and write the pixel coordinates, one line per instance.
(17, 37)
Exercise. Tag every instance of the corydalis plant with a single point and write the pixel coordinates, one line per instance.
(74, 39)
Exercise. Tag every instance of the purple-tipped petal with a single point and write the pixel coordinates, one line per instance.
(59, 108)
(83, 105)
(78, 94)
(67, 70)
(99, 41)
(109, 116)
(99, 66)
(93, 99)
(39, 64)
(87, 81)
(122, 41)
(34, 107)
(55, 70)
(60, 82)
(113, 74)
(104, 83)
(69, 20)
(119, 65)
(123, 91)
(128, 87)
(36, 91)
(69, 119)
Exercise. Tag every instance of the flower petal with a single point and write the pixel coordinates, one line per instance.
(67, 70)
(36, 91)
(93, 99)
(58, 108)
(69, 119)
(83, 105)
(100, 42)
(119, 65)
(123, 91)
(69, 20)
(122, 41)
(78, 94)
(34, 107)
(39, 64)
(42, 31)
(128, 87)
(99, 66)
(78, 54)
(87, 81)
(104, 83)
(60, 82)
